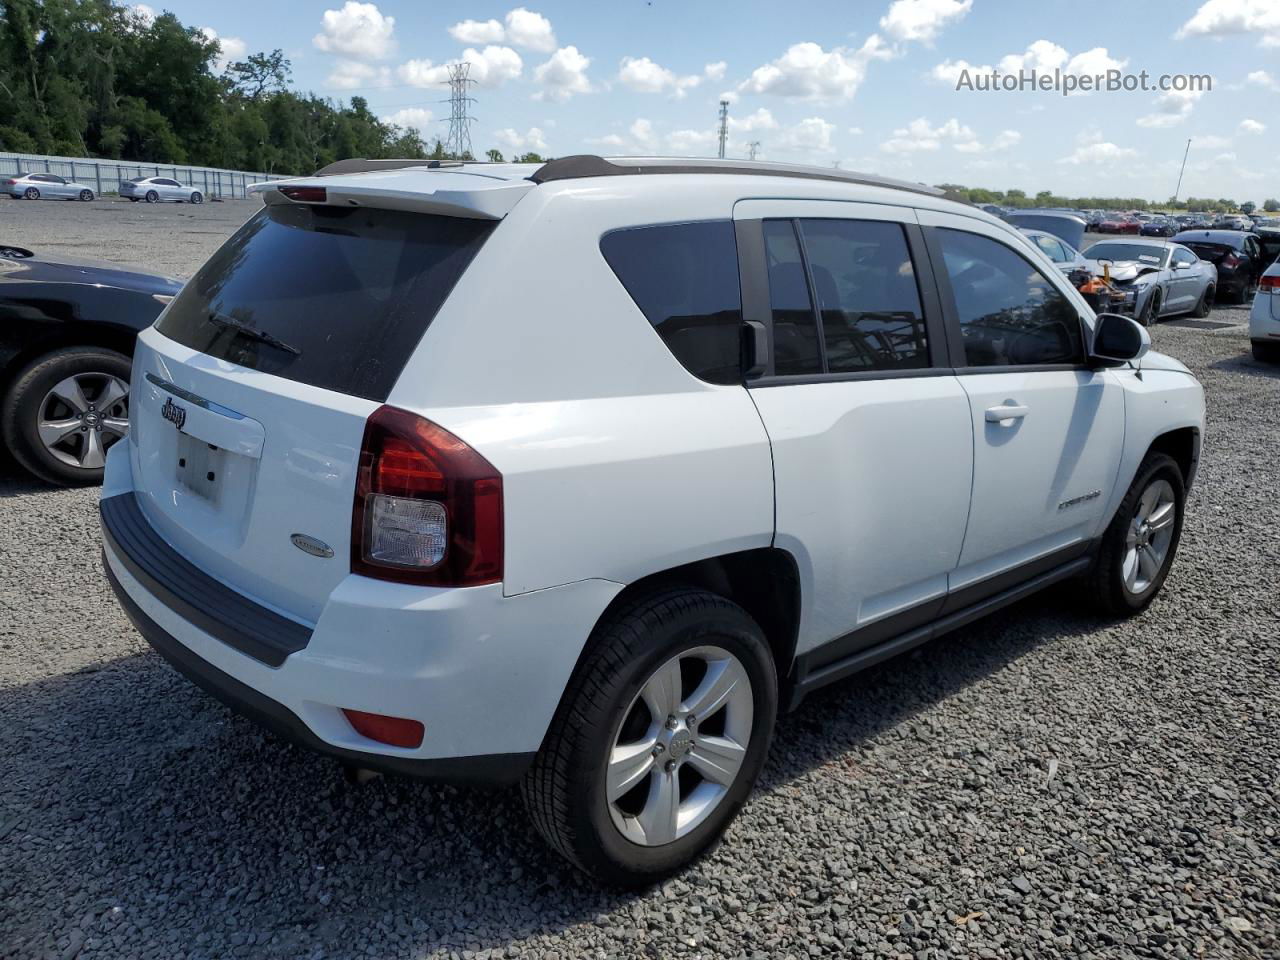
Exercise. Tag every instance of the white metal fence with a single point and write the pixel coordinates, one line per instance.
(105, 176)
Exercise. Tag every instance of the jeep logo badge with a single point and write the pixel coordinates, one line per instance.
(173, 413)
(317, 548)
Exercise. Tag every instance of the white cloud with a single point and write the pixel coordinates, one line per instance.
(808, 72)
(609, 140)
(422, 73)
(417, 118)
(761, 119)
(1210, 142)
(230, 50)
(642, 133)
(856, 131)
(644, 76)
(1217, 18)
(358, 31)
(692, 143)
(532, 30)
(563, 75)
(532, 140)
(921, 20)
(352, 74)
(715, 71)
(1094, 151)
(1260, 78)
(811, 135)
(1171, 109)
(478, 31)
(493, 66)
(1251, 126)
(919, 136)
(1043, 56)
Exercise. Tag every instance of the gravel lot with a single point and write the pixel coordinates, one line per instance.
(1041, 784)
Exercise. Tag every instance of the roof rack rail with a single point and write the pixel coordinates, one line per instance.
(361, 165)
(583, 166)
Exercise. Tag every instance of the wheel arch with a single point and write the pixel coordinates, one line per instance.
(71, 333)
(765, 582)
(1183, 445)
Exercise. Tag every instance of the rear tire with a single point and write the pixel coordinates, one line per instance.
(567, 790)
(1266, 352)
(28, 404)
(152, 196)
(1204, 304)
(31, 193)
(1138, 551)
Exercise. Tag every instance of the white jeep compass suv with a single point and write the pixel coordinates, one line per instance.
(576, 475)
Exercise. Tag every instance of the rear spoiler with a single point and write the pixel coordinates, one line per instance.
(442, 191)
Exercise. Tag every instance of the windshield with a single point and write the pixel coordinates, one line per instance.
(334, 297)
(1155, 256)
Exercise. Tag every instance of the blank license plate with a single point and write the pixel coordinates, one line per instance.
(199, 467)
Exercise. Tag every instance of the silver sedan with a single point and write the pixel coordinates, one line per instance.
(155, 189)
(44, 186)
(1162, 278)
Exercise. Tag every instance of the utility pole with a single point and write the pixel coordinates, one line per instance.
(1178, 188)
(458, 144)
(724, 125)
(752, 148)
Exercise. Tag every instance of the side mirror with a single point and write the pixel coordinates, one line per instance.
(755, 349)
(1118, 340)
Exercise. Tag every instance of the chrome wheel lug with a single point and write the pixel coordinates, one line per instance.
(672, 722)
(670, 766)
(657, 749)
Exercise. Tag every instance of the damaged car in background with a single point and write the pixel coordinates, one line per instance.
(1142, 278)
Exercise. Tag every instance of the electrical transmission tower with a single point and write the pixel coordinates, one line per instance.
(724, 125)
(752, 148)
(458, 144)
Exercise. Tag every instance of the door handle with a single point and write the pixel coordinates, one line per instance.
(1006, 412)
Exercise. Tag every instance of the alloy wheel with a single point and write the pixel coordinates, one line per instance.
(82, 416)
(1149, 537)
(676, 753)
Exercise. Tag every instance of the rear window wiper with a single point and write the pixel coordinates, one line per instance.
(252, 334)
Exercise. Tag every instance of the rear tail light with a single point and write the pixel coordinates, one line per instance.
(1230, 260)
(11, 183)
(428, 508)
(1270, 284)
(394, 731)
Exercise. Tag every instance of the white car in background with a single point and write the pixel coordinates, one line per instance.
(621, 459)
(156, 189)
(45, 186)
(1264, 318)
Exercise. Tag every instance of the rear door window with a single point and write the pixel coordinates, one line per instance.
(868, 300)
(684, 279)
(796, 350)
(328, 296)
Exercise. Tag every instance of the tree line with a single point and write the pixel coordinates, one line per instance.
(88, 78)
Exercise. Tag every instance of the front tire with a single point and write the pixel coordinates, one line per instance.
(86, 195)
(631, 783)
(1140, 544)
(1266, 352)
(64, 410)
(197, 198)
(1151, 312)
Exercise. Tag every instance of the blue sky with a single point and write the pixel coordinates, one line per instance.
(868, 84)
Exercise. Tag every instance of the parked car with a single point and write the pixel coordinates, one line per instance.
(45, 186)
(1264, 318)
(155, 189)
(1064, 256)
(1269, 239)
(1159, 227)
(592, 511)
(1238, 257)
(66, 338)
(1120, 224)
(1232, 223)
(1161, 279)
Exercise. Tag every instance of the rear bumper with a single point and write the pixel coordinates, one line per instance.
(482, 672)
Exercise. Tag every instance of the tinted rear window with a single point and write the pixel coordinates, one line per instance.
(333, 297)
(684, 279)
